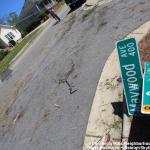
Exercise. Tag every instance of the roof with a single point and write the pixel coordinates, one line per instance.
(6, 26)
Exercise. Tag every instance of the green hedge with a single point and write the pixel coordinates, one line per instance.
(2, 54)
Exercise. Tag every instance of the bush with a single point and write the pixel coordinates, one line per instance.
(2, 54)
(43, 16)
(12, 43)
(32, 26)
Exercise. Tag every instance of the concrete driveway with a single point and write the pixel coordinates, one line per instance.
(51, 87)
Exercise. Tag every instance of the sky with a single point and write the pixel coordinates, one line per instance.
(8, 6)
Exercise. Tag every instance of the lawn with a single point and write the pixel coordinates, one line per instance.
(4, 64)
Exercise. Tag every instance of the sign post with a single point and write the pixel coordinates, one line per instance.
(145, 108)
(131, 72)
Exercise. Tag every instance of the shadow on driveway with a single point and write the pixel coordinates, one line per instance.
(6, 75)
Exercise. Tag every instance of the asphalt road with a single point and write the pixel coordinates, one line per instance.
(53, 84)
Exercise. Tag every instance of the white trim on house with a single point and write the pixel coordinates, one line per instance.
(6, 26)
(8, 33)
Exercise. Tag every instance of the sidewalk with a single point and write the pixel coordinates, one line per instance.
(106, 123)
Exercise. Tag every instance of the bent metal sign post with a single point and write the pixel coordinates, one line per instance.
(131, 72)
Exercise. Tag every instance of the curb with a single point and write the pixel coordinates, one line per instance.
(108, 93)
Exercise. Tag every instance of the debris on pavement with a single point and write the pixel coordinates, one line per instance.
(57, 106)
(17, 117)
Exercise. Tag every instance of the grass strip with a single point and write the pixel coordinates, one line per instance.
(4, 64)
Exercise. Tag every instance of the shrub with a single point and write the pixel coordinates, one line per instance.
(32, 26)
(43, 16)
(12, 43)
(2, 54)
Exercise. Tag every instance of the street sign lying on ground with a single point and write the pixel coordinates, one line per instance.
(131, 72)
(145, 108)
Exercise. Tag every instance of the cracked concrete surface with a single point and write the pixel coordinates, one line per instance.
(52, 117)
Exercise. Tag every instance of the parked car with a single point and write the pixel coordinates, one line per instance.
(73, 4)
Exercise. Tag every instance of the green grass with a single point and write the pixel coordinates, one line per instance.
(4, 64)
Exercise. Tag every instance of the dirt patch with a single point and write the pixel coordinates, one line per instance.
(110, 84)
(8, 101)
(6, 104)
(144, 46)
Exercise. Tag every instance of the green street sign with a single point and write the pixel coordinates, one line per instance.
(131, 72)
(145, 108)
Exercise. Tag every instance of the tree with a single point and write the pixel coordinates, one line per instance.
(3, 20)
(12, 18)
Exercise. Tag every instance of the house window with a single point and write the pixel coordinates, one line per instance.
(8, 38)
(10, 33)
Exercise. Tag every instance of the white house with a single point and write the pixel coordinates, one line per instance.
(8, 33)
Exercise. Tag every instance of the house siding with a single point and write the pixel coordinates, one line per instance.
(2, 44)
(5, 31)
